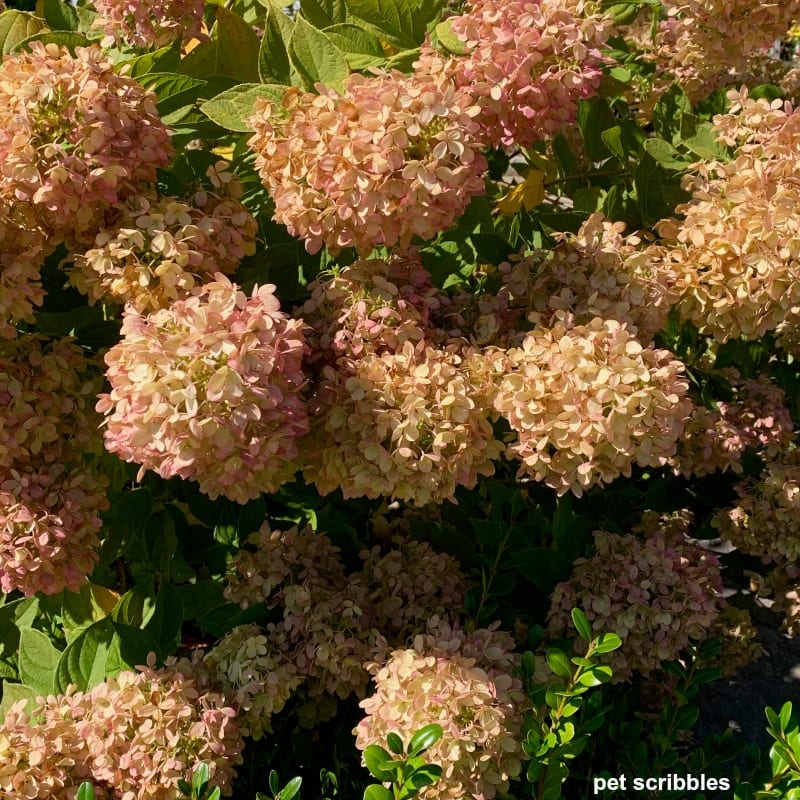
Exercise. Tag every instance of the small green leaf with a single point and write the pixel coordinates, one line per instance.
(173, 91)
(395, 743)
(274, 782)
(582, 624)
(38, 659)
(376, 792)
(376, 759)
(200, 778)
(316, 58)
(291, 789)
(558, 663)
(16, 27)
(85, 792)
(424, 738)
(607, 642)
(232, 109)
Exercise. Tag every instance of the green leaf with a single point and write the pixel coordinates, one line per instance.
(166, 621)
(612, 138)
(582, 624)
(60, 16)
(376, 759)
(200, 778)
(323, 13)
(402, 23)
(594, 117)
(38, 660)
(315, 57)
(665, 154)
(274, 782)
(231, 109)
(167, 59)
(16, 27)
(13, 693)
(361, 48)
(81, 609)
(686, 717)
(395, 743)
(376, 792)
(101, 651)
(237, 46)
(273, 55)
(172, 90)
(424, 738)
(291, 789)
(68, 39)
(449, 40)
(598, 674)
(85, 791)
(701, 139)
(607, 642)
(423, 776)
(558, 663)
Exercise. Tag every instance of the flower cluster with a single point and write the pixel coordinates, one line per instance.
(702, 41)
(254, 668)
(331, 623)
(370, 306)
(411, 424)
(588, 401)
(656, 593)
(764, 521)
(46, 390)
(599, 272)
(133, 736)
(76, 138)
(389, 158)
(529, 62)
(740, 642)
(444, 678)
(50, 504)
(22, 251)
(150, 24)
(160, 248)
(208, 390)
(738, 244)
(715, 438)
(49, 521)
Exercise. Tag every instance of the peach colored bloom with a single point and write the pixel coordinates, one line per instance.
(149, 23)
(209, 390)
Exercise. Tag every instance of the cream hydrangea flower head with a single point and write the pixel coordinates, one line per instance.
(389, 158)
(209, 390)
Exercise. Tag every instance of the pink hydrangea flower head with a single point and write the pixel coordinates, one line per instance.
(134, 736)
(529, 62)
(149, 23)
(46, 392)
(76, 137)
(161, 248)
(389, 158)
(756, 417)
(209, 390)
(49, 521)
(370, 306)
(701, 42)
(412, 424)
(476, 701)
(764, 521)
(656, 593)
(589, 401)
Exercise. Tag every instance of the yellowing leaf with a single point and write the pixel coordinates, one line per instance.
(527, 194)
(223, 151)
